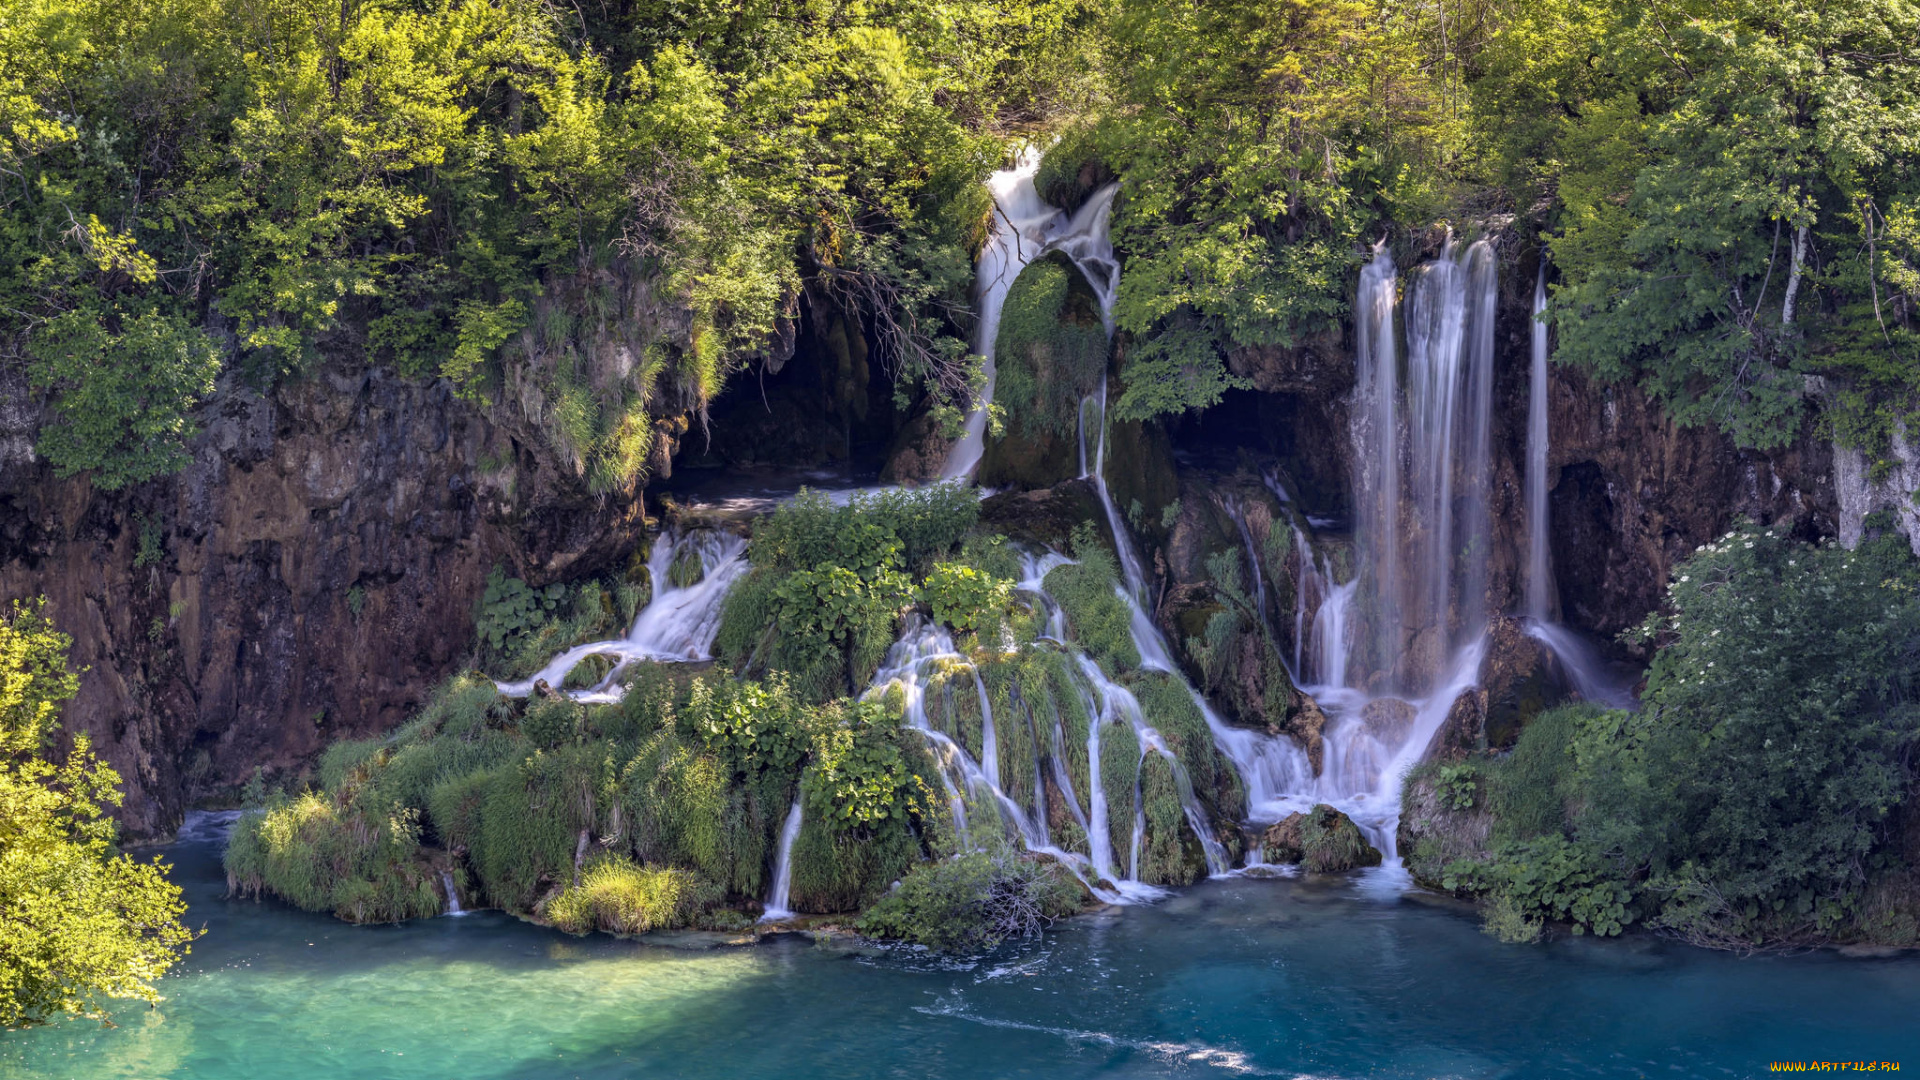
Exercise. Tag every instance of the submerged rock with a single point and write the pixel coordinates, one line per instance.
(1323, 840)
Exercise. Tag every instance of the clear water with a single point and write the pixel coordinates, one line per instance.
(1237, 977)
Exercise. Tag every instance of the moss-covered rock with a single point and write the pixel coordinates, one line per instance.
(1047, 517)
(1049, 354)
(1322, 840)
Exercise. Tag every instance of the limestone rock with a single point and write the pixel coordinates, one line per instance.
(1322, 840)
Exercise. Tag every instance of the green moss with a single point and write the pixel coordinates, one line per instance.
(1168, 850)
(1169, 707)
(1097, 617)
(1120, 780)
(1068, 705)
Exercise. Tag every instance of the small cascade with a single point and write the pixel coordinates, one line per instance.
(454, 910)
(969, 783)
(1591, 677)
(1271, 767)
(1239, 515)
(1025, 227)
(1540, 590)
(677, 626)
(783, 868)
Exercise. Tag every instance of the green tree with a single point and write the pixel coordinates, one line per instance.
(79, 922)
(1258, 145)
(1736, 185)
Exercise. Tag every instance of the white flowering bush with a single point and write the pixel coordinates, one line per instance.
(1751, 792)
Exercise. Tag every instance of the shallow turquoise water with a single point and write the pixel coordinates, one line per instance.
(1284, 978)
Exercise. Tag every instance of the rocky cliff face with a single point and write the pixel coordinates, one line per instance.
(309, 576)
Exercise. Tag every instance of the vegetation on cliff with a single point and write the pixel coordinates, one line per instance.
(1752, 800)
(597, 214)
(79, 921)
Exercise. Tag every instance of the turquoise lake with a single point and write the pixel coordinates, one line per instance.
(1326, 978)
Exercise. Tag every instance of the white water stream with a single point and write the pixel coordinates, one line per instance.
(1025, 227)
(678, 625)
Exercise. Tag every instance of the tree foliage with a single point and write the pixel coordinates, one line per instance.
(79, 921)
(1736, 188)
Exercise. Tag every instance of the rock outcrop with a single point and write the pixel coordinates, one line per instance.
(310, 575)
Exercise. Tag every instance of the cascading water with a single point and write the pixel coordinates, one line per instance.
(1540, 589)
(678, 625)
(1586, 671)
(1025, 227)
(453, 895)
(1389, 651)
(777, 900)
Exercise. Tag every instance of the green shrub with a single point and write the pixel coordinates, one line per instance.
(551, 722)
(306, 852)
(619, 897)
(964, 598)
(1457, 785)
(973, 901)
(1548, 877)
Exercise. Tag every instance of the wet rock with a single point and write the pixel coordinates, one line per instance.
(1388, 720)
(1433, 833)
(310, 575)
(1520, 680)
(1306, 725)
(918, 453)
(1465, 728)
(1322, 840)
(1047, 517)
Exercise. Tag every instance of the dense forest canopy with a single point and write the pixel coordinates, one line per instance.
(600, 212)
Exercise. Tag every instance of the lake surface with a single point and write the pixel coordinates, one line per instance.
(1321, 978)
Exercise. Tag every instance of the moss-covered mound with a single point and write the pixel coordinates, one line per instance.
(1049, 355)
(1322, 840)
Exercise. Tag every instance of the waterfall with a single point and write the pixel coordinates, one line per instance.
(1540, 589)
(677, 625)
(1376, 436)
(1025, 228)
(1386, 653)
(783, 868)
(921, 648)
(453, 895)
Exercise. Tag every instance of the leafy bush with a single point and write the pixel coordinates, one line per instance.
(1548, 877)
(973, 901)
(1457, 785)
(859, 776)
(510, 608)
(964, 598)
(551, 722)
(1747, 800)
